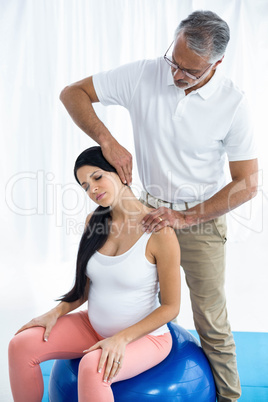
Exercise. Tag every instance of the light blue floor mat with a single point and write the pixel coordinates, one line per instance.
(252, 362)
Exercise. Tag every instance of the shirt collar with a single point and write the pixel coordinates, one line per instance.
(206, 90)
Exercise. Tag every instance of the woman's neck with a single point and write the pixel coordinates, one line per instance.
(127, 207)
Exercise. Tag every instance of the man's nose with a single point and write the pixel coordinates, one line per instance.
(178, 74)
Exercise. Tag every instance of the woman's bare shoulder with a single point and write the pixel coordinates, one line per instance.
(164, 240)
(165, 234)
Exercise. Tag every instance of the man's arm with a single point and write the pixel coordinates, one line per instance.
(78, 99)
(242, 188)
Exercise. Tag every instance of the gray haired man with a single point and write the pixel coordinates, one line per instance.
(187, 118)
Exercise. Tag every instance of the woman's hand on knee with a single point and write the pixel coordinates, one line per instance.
(47, 320)
(113, 351)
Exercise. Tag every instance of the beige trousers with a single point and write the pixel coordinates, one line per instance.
(203, 261)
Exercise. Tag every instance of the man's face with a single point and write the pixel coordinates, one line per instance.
(189, 61)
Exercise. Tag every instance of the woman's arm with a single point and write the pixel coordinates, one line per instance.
(64, 308)
(164, 248)
(49, 319)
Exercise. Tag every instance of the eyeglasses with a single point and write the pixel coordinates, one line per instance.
(177, 67)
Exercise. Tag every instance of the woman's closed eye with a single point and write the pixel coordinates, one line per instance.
(86, 188)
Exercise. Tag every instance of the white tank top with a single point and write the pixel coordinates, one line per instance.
(123, 289)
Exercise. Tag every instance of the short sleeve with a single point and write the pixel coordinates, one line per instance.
(117, 86)
(239, 142)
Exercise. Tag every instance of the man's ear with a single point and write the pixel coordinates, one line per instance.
(217, 63)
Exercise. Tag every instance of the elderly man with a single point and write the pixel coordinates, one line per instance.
(186, 119)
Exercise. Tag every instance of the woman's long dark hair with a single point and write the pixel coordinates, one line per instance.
(97, 230)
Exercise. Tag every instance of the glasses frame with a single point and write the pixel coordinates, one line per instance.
(177, 67)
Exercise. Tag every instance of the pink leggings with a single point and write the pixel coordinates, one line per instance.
(71, 335)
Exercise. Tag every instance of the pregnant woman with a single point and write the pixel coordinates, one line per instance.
(119, 271)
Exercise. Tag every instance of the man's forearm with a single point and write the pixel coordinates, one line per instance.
(78, 99)
(242, 188)
(230, 197)
(79, 106)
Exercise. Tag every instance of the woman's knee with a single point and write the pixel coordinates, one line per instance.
(13, 347)
(89, 364)
(17, 351)
(25, 343)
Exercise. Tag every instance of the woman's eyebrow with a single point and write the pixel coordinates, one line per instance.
(94, 172)
(85, 182)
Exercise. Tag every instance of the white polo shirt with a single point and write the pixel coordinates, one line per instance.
(181, 142)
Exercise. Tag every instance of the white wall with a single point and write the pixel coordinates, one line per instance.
(45, 45)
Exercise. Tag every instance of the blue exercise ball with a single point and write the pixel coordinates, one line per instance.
(184, 375)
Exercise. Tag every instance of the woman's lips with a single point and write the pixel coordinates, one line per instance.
(100, 196)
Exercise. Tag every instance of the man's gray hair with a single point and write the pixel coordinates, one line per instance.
(206, 34)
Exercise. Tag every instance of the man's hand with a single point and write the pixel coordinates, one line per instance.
(120, 158)
(161, 217)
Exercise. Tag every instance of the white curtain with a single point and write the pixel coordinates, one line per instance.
(47, 44)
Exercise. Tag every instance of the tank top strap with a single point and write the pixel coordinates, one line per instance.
(142, 244)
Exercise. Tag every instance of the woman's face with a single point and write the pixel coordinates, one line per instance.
(101, 186)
